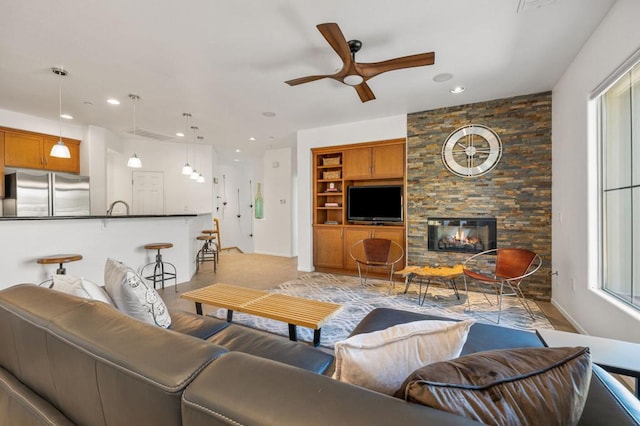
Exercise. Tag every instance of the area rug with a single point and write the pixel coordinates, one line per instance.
(359, 300)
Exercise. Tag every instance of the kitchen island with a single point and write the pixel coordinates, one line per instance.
(96, 238)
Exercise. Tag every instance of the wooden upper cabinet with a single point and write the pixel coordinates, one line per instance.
(23, 150)
(31, 150)
(1, 165)
(357, 163)
(375, 162)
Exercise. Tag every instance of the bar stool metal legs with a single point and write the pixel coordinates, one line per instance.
(162, 271)
(208, 252)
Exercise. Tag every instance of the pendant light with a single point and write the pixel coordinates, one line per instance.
(200, 178)
(60, 150)
(134, 161)
(187, 169)
(194, 173)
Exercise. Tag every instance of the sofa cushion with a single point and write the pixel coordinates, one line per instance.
(195, 325)
(381, 360)
(503, 387)
(277, 348)
(133, 296)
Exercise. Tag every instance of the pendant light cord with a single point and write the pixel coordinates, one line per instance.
(60, 103)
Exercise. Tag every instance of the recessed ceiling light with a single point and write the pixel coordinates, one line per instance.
(443, 77)
(180, 135)
(113, 101)
(457, 89)
(269, 114)
(236, 160)
(252, 138)
(237, 150)
(66, 116)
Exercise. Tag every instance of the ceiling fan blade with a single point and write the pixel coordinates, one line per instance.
(307, 79)
(365, 92)
(332, 33)
(372, 69)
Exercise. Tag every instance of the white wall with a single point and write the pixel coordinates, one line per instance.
(236, 196)
(575, 289)
(364, 131)
(274, 233)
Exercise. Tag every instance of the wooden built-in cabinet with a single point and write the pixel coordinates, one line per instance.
(31, 150)
(334, 170)
(1, 165)
(383, 160)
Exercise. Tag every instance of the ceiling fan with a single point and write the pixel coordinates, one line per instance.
(356, 74)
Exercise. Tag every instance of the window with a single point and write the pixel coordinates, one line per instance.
(619, 108)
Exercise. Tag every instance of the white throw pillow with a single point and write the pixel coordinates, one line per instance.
(381, 360)
(96, 292)
(70, 285)
(133, 296)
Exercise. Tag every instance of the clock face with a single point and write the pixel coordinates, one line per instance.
(471, 150)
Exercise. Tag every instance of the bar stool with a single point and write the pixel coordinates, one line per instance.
(60, 259)
(160, 274)
(208, 252)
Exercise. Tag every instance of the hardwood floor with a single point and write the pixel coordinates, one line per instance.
(264, 272)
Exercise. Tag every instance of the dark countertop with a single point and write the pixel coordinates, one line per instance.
(131, 216)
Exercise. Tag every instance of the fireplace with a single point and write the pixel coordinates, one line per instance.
(462, 235)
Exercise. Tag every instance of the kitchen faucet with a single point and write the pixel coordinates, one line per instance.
(116, 202)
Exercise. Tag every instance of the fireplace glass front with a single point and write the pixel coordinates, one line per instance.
(463, 235)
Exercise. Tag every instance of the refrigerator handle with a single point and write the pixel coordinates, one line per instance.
(52, 207)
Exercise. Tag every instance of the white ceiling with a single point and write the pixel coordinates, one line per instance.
(226, 61)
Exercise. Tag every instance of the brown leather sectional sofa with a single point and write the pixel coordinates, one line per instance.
(66, 360)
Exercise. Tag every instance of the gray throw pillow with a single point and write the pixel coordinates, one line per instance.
(133, 296)
(521, 386)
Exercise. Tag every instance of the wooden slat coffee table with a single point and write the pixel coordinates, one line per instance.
(295, 311)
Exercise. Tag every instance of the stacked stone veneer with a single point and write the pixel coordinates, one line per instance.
(517, 192)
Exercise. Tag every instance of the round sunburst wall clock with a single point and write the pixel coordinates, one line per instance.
(472, 150)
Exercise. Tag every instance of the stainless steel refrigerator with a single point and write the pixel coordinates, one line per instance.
(34, 193)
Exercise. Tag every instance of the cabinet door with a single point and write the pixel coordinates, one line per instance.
(351, 236)
(357, 163)
(1, 165)
(388, 161)
(70, 165)
(22, 150)
(327, 246)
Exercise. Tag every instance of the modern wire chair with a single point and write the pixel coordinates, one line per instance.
(372, 253)
(511, 267)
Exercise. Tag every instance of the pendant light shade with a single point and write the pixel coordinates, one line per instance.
(187, 169)
(60, 150)
(194, 173)
(134, 161)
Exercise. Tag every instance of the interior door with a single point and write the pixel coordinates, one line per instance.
(148, 193)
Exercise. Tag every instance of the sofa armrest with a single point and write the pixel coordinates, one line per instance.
(19, 405)
(609, 402)
(240, 388)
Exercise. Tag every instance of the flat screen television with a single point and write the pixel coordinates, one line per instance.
(378, 204)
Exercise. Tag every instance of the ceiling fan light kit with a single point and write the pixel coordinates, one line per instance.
(356, 74)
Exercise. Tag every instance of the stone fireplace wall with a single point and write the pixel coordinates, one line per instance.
(517, 192)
